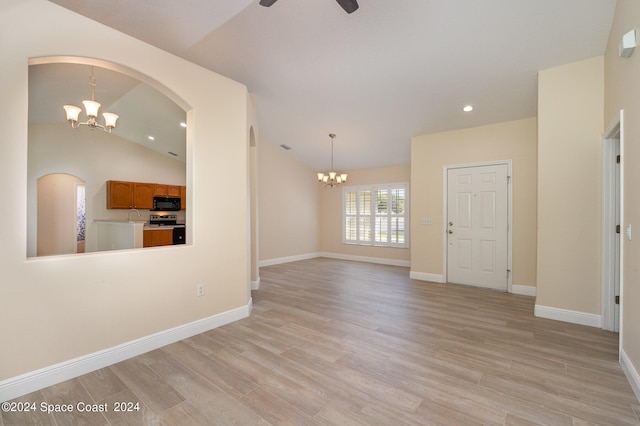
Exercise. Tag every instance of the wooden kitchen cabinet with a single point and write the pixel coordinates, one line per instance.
(143, 195)
(119, 194)
(157, 237)
(129, 195)
(162, 190)
(183, 198)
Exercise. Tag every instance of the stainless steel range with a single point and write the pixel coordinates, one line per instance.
(169, 220)
(163, 219)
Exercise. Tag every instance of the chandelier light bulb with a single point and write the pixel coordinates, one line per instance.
(73, 112)
(110, 119)
(91, 108)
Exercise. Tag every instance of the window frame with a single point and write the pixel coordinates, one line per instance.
(372, 215)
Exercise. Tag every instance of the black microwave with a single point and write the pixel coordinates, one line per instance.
(166, 204)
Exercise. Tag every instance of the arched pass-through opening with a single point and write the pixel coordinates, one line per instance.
(148, 145)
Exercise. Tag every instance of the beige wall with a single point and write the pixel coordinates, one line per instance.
(622, 86)
(570, 125)
(288, 206)
(514, 140)
(58, 308)
(331, 217)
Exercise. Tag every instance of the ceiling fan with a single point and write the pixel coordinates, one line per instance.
(349, 6)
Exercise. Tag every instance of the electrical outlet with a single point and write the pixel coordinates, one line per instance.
(200, 290)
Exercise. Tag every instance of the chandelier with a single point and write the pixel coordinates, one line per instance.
(332, 178)
(91, 109)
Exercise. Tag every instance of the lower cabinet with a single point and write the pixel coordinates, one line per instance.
(157, 237)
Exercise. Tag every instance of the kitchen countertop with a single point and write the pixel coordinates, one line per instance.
(158, 227)
(146, 225)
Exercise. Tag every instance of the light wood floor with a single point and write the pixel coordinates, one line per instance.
(344, 343)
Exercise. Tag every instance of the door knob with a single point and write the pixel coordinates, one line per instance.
(451, 231)
(450, 223)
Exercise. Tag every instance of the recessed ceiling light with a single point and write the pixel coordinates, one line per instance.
(467, 108)
(151, 138)
(183, 124)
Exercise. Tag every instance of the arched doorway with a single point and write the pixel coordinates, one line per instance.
(61, 214)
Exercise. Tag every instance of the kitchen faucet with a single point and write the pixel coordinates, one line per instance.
(133, 210)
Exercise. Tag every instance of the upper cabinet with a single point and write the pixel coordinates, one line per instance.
(143, 195)
(139, 195)
(167, 190)
(129, 195)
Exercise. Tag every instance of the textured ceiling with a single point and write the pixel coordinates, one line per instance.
(389, 71)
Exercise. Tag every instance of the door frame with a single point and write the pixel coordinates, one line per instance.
(445, 193)
(614, 132)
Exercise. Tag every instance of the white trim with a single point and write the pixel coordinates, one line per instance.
(48, 376)
(630, 371)
(366, 259)
(255, 285)
(575, 317)
(445, 193)
(524, 290)
(279, 260)
(609, 221)
(425, 276)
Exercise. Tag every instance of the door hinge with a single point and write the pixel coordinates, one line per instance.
(617, 300)
(617, 159)
(617, 229)
(508, 272)
(508, 179)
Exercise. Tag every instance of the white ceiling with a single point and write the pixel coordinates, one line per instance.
(389, 71)
(143, 110)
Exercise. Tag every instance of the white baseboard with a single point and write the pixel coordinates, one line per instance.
(524, 290)
(424, 276)
(630, 371)
(379, 260)
(255, 285)
(575, 317)
(48, 376)
(288, 259)
(367, 259)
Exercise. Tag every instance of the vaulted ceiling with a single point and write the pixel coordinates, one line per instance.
(376, 77)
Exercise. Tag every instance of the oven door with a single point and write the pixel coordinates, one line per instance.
(179, 235)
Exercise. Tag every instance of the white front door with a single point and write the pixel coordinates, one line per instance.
(477, 226)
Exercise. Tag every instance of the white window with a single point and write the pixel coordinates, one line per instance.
(376, 215)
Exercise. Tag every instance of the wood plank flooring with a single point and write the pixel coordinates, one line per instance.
(333, 342)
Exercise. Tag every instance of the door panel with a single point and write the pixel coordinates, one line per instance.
(477, 232)
(487, 255)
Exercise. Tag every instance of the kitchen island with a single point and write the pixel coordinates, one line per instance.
(119, 234)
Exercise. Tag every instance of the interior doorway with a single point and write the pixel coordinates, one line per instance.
(61, 214)
(477, 225)
(612, 228)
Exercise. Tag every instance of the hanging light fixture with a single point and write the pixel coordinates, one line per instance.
(332, 178)
(91, 108)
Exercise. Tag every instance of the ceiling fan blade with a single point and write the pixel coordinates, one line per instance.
(267, 3)
(349, 6)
